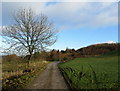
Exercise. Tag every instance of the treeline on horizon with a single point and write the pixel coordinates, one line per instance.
(68, 54)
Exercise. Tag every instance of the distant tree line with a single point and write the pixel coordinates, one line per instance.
(92, 50)
(69, 54)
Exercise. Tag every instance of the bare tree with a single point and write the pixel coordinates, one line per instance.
(30, 32)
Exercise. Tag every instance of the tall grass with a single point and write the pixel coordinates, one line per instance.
(18, 75)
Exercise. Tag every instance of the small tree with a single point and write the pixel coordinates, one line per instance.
(30, 33)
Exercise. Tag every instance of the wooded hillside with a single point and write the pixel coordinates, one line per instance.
(92, 50)
(69, 54)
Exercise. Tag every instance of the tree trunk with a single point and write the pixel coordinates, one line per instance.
(28, 61)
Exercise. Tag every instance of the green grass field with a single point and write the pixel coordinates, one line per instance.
(92, 72)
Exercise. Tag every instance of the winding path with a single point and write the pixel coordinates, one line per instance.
(50, 78)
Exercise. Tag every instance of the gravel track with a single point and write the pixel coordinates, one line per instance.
(50, 78)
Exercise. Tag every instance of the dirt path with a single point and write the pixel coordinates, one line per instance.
(50, 78)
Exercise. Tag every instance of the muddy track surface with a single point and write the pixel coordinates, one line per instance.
(50, 78)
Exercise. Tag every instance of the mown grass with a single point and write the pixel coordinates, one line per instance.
(92, 72)
(17, 75)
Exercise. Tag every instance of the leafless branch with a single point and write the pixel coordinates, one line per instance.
(30, 32)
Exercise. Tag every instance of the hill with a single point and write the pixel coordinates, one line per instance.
(95, 73)
(112, 53)
(69, 54)
(98, 49)
(92, 50)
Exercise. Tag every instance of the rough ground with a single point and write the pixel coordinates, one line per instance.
(50, 78)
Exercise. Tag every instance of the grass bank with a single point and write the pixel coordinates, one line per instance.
(16, 75)
(92, 72)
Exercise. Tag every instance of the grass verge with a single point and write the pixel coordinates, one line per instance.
(21, 76)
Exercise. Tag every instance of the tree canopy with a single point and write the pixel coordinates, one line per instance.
(30, 32)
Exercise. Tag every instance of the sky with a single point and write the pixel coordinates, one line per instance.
(80, 24)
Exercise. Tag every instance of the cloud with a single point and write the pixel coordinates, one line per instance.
(109, 42)
(8, 8)
(60, 0)
(72, 15)
(0, 30)
(84, 14)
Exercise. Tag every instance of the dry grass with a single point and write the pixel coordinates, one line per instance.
(13, 75)
(17, 69)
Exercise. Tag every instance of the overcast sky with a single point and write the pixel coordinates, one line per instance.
(80, 23)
